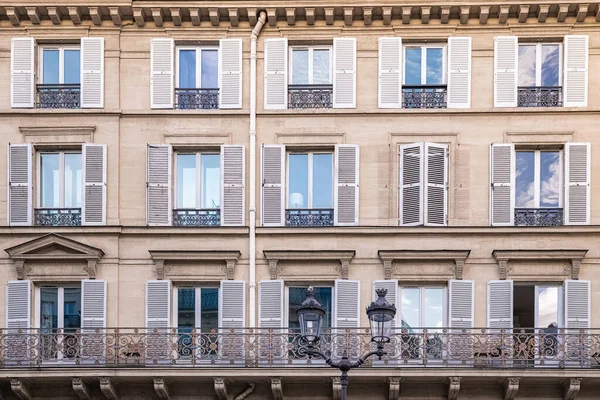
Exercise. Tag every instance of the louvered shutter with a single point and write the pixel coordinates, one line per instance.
(346, 184)
(347, 303)
(577, 304)
(344, 73)
(502, 197)
(233, 168)
(18, 304)
(158, 185)
(161, 80)
(22, 75)
(436, 184)
(273, 185)
(506, 50)
(410, 193)
(232, 304)
(500, 304)
(158, 304)
(576, 71)
(390, 72)
(93, 299)
(19, 184)
(459, 72)
(94, 178)
(92, 72)
(577, 187)
(276, 67)
(461, 303)
(230, 73)
(270, 304)
(392, 293)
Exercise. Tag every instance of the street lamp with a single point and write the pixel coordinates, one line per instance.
(310, 316)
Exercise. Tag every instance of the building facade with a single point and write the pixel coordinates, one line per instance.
(177, 175)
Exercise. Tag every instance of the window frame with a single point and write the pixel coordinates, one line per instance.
(443, 46)
(60, 310)
(61, 175)
(538, 61)
(560, 305)
(199, 181)
(445, 302)
(199, 50)
(61, 61)
(310, 154)
(286, 295)
(310, 63)
(197, 302)
(537, 176)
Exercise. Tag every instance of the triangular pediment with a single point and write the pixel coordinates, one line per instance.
(54, 247)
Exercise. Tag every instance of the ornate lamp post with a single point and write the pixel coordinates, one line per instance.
(310, 316)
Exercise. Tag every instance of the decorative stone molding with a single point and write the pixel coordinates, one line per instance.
(48, 134)
(455, 268)
(572, 387)
(229, 258)
(81, 389)
(336, 387)
(220, 388)
(509, 260)
(274, 257)
(21, 389)
(162, 389)
(453, 387)
(277, 388)
(394, 388)
(511, 388)
(109, 388)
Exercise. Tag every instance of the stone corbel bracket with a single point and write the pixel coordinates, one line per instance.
(162, 389)
(161, 257)
(507, 258)
(336, 388)
(572, 387)
(275, 256)
(21, 389)
(458, 258)
(81, 389)
(453, 387)
(109, 388)
(220, 388)
(511, 388)
(277, 388)
(394, 388)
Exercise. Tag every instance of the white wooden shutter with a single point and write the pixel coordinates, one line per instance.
(93, 303)
(346, 184)
(577, 185)
(344, 73)
(158, 304)
(347, 304)
(230, 73)
(22, 75)
(410, 193)
(506, 51)
(392, 293)
(94, 179)
(500, 304)
(161, 79)
(461, 304)
(19, 184)
(18, 304)
(92, 72)
(158, 185)
(270, 304)
(390, 72)
(459, 72)
(576, 71)
(233, 168)
(436, 184)
(276, 70)
(273, 185)
(232, 304)
(502, 178)
(577, 304)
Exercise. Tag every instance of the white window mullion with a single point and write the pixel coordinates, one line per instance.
(310, 180)
(61, 66)
(199, 181)
(198, 308)
(538, 64)
(536, 178)
(61, 179)
(310, 66)
(423, 65)
(561, 181)
(198, 68)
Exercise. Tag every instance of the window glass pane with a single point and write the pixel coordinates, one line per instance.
(549, 178)
(412, 66)
(72, 66)
(550, 62)
(51, 66)
(186, 309)
(73, 179)
(211, 180)
(527, 65)
(323, 180)
(525, 174)
(435, 66)
(49, 180)
(321, 66)
(187, 68)
(433, 307)
(547, 306)
(411, 308)
(209, 304)
(300, 67)
(210, 69)
(48, 308)
(298, 185)
(72, 308)
(186, 181)
(298, 294)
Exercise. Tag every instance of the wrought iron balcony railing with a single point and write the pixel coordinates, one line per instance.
(197, 99)
(57, 216)
(193, 217)
(310, 96)
(309, 217)
(539, 96)
(424, 96)
(538, 216)
(282, 347)
(58, 96)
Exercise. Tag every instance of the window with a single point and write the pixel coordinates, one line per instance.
(539, 75)
(297, 294)
(60, 77)
(422, 307)
(60, 312)
(197, 309)
(424, 76)
(310, 77)
(197, 78)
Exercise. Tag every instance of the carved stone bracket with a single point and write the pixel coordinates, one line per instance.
(161, 257)
(162, 389)
(572, 387)
(274, 258)
(507, 260)
(81, 389)
(453, 387)
(90, 268)
(108, 388)
(458, 258)
(20, 389)
(511, 387)
(275, 269)
(277, 388)
(336, 387)
(220, 388)
(394, 388)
